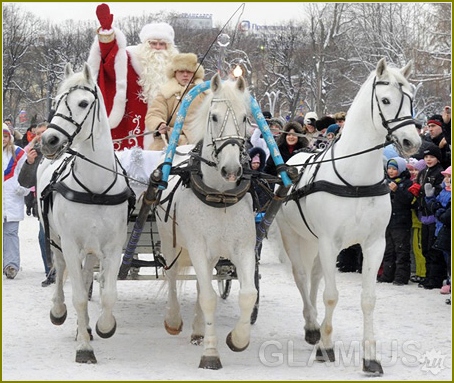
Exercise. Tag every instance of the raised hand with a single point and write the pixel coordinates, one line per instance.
(104, 16)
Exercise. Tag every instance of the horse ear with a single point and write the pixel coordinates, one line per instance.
(407, 69)
(87, 73)
(68, 70)
(381, 67)
(241, 84)
(216, 82)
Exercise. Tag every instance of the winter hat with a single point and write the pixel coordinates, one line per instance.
(398, 163)
(185, 61)
(6, 129)
(256, 158)
(418, 165)
(324, 122)
(433, 150)
(333, 128)
(276, 121)
(310, 118)
(436, 119)
(447, 172)
(157, 31)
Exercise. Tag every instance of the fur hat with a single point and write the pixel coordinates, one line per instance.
(397, 162)
(324, 122)
(157, 31)
(433, 150)
(185, 61)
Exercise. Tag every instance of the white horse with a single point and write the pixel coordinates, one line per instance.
(341, 199)
(213, 218)
(84, 204)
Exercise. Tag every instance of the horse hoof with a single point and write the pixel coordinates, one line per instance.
(57, 321)
(210, 363)
(229, 342)
(325, 355)
(197, 340)
(108, 334)
(173, 330)
(312, 336)
(85, 356)
(372, 367)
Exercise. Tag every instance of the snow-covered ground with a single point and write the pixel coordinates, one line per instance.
(413, 329)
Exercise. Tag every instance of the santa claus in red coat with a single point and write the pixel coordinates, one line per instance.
(129, 76)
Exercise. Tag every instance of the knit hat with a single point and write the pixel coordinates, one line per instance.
(157, 31)
(447, 172)
(275, 121)
(185, 61)
(436, 119)
(310, 118)
(333, 128)
(256, 158)
(418, 165)
(398, 163)
(6, 129)
(433, 150)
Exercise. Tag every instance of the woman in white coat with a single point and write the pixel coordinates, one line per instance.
(13, 203)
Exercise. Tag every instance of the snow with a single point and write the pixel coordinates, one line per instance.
(412, 325)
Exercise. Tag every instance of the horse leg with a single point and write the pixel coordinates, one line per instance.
(110, 261)
(208, 301)
(198, 325)
(173, 322)
(238, 339)
(84, 351)
(301, 264)
(325, 350)
(58, 312)
(313, 336)
(373, 255)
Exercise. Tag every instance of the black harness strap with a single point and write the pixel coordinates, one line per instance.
(90, 198)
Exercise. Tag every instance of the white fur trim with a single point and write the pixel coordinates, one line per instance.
(121, 68)
(157, 31)
(135, 62)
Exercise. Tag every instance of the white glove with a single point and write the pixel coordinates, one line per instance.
(21, 191)
(429, 190)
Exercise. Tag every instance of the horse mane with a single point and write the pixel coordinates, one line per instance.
(228, 91)
(73, 80)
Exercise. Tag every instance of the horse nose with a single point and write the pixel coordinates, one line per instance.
(231, 175)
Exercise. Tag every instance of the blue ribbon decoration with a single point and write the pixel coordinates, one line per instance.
(181, 115)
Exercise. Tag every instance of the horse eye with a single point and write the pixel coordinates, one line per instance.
(244, 119)
(214, 118)
(83, 104)
(385, 101)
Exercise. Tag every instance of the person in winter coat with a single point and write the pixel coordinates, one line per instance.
(27, 178)
(261, 190)
(162, 111)
(257, 140)
(129, 76)
(13, 159)
(440, 206)
(396, 259)
(435, 265)
(288, 144)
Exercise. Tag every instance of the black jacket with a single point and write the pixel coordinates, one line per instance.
(401, 202)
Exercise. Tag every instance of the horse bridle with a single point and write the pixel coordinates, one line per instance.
(405, 120)
(237, 139)
(70, 118)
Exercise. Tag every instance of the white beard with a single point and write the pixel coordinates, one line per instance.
(154, 63)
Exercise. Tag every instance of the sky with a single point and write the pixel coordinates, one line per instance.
(261, 13)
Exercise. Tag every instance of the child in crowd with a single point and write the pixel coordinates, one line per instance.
(414, 166)
(435, 263)
(440, 206)
(396, 260)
